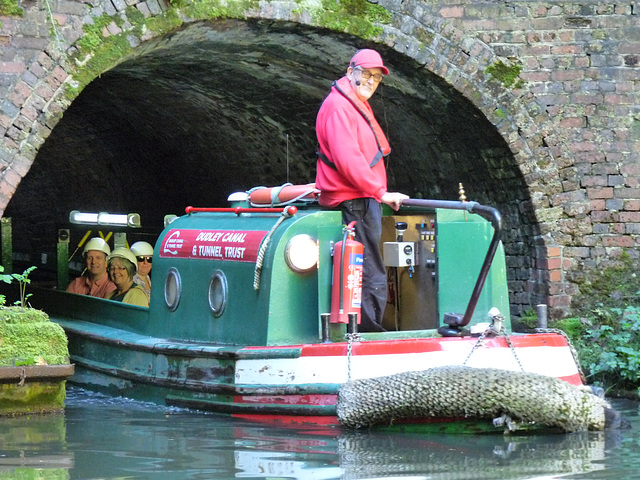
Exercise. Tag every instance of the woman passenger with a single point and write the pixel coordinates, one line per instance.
(122, 266)
(144, 256)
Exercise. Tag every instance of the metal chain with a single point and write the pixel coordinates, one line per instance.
(503, 333)
(351, 337)
(477, 344)
(513, 350)
(572, 349)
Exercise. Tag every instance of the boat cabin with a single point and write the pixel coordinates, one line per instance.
(264, 275)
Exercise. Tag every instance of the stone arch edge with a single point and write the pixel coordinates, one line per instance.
(43, 94)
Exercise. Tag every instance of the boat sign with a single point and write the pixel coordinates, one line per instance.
(229, 245)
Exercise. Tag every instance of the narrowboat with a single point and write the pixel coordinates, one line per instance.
(254, 309)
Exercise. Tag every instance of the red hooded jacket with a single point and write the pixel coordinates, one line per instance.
(346, 139)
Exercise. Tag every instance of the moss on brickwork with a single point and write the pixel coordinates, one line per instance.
(616, 285)
(356, 17)
(27, 337)
(96, 52)
(168, 21)
(206, 9)
(506, 74)
(32, 397)
(99, 50)
(137, 20)
(424, 36)
(10, 8)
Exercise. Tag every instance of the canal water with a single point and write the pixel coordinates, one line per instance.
(101, 437)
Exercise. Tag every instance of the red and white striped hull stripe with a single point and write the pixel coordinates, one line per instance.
(545, 354)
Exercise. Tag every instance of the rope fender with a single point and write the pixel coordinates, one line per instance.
(477, 393)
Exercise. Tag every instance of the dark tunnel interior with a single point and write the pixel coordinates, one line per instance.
(224, 106)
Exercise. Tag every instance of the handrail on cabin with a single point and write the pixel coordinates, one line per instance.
(488, 213)
(290, 210)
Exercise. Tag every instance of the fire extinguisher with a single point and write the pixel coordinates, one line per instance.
(346, 294)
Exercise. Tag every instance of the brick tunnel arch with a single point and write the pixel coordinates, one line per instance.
(447, 121)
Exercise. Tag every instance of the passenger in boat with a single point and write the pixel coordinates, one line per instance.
(95, 280)
(122, 268)
(144, 256)
(351, 173)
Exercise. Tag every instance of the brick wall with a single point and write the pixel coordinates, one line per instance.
(573, 125)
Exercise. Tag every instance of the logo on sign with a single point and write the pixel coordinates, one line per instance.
(356, 259)
(173, 243)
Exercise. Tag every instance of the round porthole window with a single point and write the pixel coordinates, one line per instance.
(172, 289)
(218, 293)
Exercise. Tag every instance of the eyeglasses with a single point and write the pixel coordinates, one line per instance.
(366, 75)
(141, 259)
(113, 268)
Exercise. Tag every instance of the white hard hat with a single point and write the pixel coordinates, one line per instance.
(97, 243)
(141, 249)
(125, 253)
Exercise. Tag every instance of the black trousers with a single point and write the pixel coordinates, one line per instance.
(367, 213)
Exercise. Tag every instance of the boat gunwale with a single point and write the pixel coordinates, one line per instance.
(140, 342)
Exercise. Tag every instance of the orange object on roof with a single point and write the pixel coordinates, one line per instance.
(287, 193)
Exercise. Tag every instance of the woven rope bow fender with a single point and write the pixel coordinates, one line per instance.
(473, 393)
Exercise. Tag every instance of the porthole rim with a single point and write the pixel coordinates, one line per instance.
(173, 273)
(222, 278)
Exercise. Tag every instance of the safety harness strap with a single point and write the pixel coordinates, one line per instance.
(379, 155)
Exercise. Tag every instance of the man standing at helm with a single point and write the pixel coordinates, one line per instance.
(95, 280)
(351, 173)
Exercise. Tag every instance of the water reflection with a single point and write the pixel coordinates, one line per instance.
(30, 447)
(109, 438)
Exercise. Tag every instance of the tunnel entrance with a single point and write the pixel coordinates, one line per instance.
(222, 106)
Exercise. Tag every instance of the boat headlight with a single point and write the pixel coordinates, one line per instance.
(301, 253)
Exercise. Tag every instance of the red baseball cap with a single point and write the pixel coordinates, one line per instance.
(367, 58)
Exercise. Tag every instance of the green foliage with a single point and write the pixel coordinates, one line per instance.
(96, 54)
(166, 22)
(10, 8)
(353, 16)
(93, 36)
(606, 334)
(98, 50)
(205, 9)
(609, 351)
(23, 280)
(28, 337)
(377, 13)
(135, 16)
(574, 328)
(615, 286)
(505, 74)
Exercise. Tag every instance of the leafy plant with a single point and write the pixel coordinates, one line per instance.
(10, 8)
(23, 280)
(610, 348)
